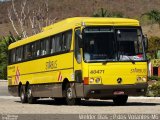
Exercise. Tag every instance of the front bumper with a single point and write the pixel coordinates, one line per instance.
(108, 91)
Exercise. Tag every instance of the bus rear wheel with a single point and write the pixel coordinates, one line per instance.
(120, 100)
(23, 96)
(31, 99)
(70, 100)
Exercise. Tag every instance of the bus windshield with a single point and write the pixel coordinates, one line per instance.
(112, 44)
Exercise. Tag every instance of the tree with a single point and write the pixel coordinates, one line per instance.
(154, 46)
(25, 18)
(104, 13)
(153, 16)
(101, 13)
(4, 43)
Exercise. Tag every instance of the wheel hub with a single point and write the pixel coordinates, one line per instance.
(22, 96)
(69, 93)
(29, 93)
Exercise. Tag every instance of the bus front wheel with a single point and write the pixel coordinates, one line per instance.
(120, 100)
(31, 99)
(69, 96)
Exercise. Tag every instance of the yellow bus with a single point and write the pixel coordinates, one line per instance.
(80, 58)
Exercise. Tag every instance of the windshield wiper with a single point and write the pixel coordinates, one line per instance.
(103, 61)
(131, 60)
(128, 59)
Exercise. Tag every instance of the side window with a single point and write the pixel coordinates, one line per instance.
(16, 55)
(13, 56)
(67, 38)
(27, 52)
(63, 47)
(53, 45)
(43, 47)
(37, 47)
(77, 46)
(33, 50)
(58, 43)
(19, 54)
(47, 46)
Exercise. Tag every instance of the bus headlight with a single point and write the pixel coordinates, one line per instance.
(95, 80)
(91, 80)
(144, 79)
(98, 80)
(139, 79)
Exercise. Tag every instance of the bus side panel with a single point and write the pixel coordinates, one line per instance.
(43, 73)
(51, 89)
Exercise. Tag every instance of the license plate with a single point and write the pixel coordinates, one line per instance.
(118, 93)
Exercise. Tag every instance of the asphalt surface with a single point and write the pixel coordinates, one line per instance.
(46, 109)
(4, 91)
(4, 88)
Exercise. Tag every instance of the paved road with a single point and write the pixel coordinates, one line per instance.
(4, 88)
(47, 106)
(4, 91)
(12, 105)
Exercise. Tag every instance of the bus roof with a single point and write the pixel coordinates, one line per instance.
(70, 23)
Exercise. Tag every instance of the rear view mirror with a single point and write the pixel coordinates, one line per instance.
(145, 42)
(79, 38)
(80, 43)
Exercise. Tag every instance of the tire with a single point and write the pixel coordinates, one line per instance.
(69, 96)
(23, 96)
(120, 100)
(30, 98)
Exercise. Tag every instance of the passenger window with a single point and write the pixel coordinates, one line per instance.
(47, 46)
(37, 46)
(53, 47)
(13, 56)
(58, 42)
(19, 54)
(67, 37)
(43, 48)
(27, 51)
(33, 50)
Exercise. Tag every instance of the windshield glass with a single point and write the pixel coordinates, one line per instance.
(112, 44)
(99, 44)
(129, 44)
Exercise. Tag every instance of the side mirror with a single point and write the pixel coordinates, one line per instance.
(80, 41)
(79, 38)
(145, 42)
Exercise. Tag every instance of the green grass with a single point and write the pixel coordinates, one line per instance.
(154, 78)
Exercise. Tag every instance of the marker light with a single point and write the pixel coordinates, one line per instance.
(83, 24)
(86, 81)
